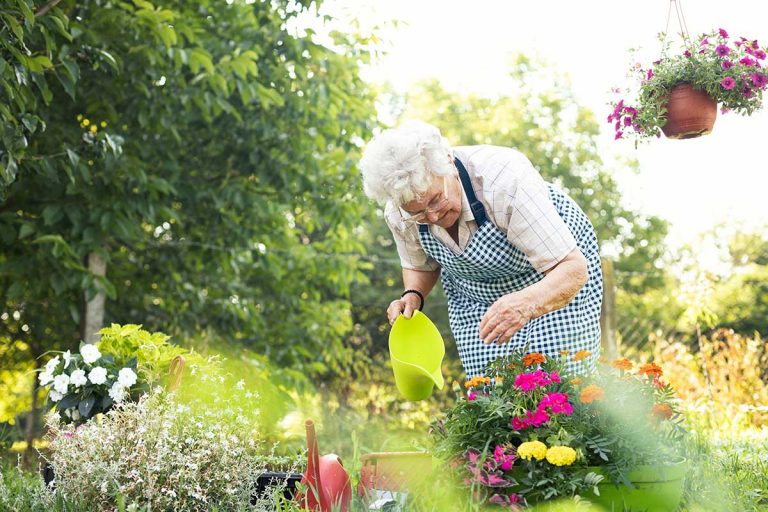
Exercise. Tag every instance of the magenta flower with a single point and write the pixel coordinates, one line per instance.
(649, 75)
(503, 460)
(722, 50)
(518, 424)
(723, 33)
(704, 41)
(554, 376)
(557, 403)
(728, 83)
(471, 396)
(687, 53)
(747, 61)
(746, 91)
(618, 135)
(726, 64)
(759, 54)
(537, 418)
(759, 79)
(755, 45)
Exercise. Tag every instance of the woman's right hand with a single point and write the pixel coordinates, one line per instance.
(406, 305)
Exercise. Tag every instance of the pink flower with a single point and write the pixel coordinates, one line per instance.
(498, 453)
(649, 75)
(518, 424)
(554, 376)
(747, 61)
(506, 464)
(755, 45)
(537, 418)
(557, 403)
(760, 54)
(723, 33)
(759, 79)
(726, 64)
(704, 41)
(471, 396)
(728, 83)
(722, 50)
(618, 135)
(687, 53)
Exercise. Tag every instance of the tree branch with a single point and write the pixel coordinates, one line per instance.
(47, 7)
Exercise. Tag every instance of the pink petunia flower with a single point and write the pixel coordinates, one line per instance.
(722, 50)
(471, 396)
(747, 61)
(687, 53)
(759, 54)
(704, 41)
(726, 64)
(618, 135)
(649, 75)
(728, 83)
(723, 33)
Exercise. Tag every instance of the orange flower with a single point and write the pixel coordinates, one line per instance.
(533, 358)
(581, 354)
(576, 381)
(486, 380)
(650, 369)
(592, 393)
(662, 411)
(622, 364)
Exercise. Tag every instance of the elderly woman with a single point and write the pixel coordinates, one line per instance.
(518, 259)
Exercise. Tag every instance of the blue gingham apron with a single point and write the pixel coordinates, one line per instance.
(490, 267)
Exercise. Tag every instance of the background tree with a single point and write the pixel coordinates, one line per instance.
(193, 162)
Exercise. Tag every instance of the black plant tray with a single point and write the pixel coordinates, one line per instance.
(275, 479)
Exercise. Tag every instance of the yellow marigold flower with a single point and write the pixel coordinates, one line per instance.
(581, 354)
(622, 364)
(576, 381)
(86, 122)
(94, 129)
(650, 369)
(103, 124)
(532, 450)
(533, 358)
(79, 117)
(561, 455)
(486, 380)
(591, 393)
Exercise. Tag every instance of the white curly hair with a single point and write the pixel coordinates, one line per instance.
(399, 164)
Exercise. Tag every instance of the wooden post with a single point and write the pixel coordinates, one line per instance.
(608, 312)
(94, 309)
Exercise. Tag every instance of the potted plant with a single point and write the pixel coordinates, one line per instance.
(529, 432)
(679, 93)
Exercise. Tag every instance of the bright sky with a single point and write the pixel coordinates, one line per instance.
(694, 184)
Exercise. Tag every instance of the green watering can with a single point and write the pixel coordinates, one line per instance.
(416, 349)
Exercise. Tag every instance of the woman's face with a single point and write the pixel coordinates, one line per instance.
(440, 204)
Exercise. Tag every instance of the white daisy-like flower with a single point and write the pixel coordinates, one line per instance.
(52, 364)
(90, 353)
(67, 358)
(240, 384)
(45, 378)
(117, 393)
(78, 378)
(98, 375)
(61, 383)
(54, 395)
(126, 377)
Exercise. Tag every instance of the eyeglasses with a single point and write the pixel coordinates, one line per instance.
(434, 206)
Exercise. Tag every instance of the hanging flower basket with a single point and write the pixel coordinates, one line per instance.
(690, 113)
(679, 93)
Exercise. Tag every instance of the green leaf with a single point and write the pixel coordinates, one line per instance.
(86, 406)
(29, 16)
(73, 157)
(27, 229)
(110, 59)
(198, 58)
(143, 4)
(69, 401)
(106, 403)
(14, 26)
(168, 35)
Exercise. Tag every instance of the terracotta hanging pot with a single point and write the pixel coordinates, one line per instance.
(690, 113)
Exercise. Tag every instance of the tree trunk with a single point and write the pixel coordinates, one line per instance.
(30, 430)
(93, 314)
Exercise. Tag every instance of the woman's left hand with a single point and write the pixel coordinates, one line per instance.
(505, 317)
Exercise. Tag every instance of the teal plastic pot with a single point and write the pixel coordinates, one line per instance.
(654, 489)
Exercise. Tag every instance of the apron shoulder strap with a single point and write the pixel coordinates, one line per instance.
(478, 210)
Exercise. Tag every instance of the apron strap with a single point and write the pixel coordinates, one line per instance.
(478, 210)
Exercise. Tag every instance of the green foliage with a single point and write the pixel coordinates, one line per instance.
(715, 64)
(215, 173)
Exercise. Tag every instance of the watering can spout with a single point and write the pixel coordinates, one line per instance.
(416, 349)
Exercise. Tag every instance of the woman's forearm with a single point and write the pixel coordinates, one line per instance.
(559, 286)
(421, 280)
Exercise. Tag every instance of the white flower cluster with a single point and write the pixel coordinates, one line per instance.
(86, 371)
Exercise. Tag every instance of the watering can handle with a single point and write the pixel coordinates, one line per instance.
(176, 371)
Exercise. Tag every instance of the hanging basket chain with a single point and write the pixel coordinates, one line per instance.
(680, 22)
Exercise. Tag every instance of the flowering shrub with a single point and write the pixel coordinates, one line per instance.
(84, 384)
(730, 70)
(159, 454)
(527, 432)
